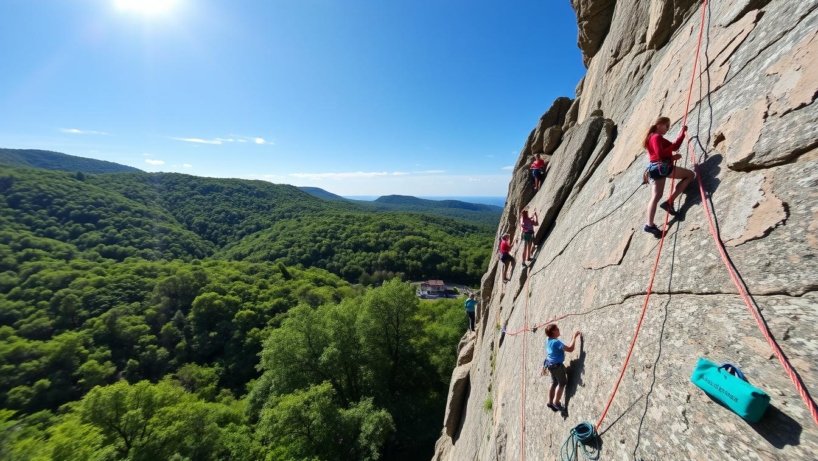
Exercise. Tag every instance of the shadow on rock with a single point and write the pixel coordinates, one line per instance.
(464, 410)
(778, 428)
(575, 370)
(709, 171)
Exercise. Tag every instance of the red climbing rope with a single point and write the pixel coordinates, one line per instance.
(661, 241)
(540, 325)
(745, 296)
(742, 290)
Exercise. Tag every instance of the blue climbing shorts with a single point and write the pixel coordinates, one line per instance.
(538, 174)
(659, 170)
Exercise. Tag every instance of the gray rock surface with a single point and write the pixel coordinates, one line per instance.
(593, 20)
(458, 394)
(759, 127)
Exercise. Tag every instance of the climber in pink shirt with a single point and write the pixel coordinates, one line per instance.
(527, 224)
(661, 157)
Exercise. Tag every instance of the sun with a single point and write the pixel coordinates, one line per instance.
(146, 7)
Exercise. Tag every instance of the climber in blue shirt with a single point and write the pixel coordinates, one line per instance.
(554, 357)
(471, 303)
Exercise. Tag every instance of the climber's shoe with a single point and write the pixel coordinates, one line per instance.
(553, 407)
(667, 207)
(652, 229)
(561, 408)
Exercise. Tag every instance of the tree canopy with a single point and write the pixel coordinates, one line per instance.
(128, 332)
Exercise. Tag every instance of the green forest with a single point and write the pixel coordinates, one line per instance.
(164, 316)
(168, 215)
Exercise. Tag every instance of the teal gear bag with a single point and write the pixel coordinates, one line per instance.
(732, 391)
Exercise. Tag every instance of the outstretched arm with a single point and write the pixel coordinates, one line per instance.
(679, 139)
(570, 347)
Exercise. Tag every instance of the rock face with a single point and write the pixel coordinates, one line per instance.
(757, 132)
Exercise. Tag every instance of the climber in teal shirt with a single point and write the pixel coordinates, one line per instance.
(554, 362)
(471, 303)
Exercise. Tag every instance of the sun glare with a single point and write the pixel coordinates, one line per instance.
(146, 7)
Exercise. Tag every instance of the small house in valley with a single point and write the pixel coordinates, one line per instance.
(432, 289)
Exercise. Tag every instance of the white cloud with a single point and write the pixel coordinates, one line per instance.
(187, 165)
(154, 162)
(78, 131)
(430, 172)
(216, 141)
(230, 139)
(509, 167)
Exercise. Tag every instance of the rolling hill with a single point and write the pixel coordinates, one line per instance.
(174, 216)
(323, 194)
(49, 160)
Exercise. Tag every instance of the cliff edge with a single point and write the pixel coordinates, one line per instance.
(754, 121)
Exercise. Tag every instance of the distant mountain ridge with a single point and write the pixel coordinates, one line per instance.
(409, 200)
(49, 160)
(323, 194)
(404, 201)
(484, 215)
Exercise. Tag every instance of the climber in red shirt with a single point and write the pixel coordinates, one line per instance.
(537, 171)
(505, 255)
(661, 157)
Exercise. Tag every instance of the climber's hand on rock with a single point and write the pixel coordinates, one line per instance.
(684, 129)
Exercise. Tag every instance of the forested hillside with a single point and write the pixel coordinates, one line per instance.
(376, 248)
(164, 316)
(168, 215)
(70, 208)
(50, 160)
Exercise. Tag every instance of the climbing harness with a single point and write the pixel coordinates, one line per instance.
(582, 439)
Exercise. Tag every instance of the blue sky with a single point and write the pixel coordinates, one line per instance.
(421, 97)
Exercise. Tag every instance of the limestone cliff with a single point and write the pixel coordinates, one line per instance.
(754, 111)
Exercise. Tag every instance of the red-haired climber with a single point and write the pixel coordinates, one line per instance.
(661, 157)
